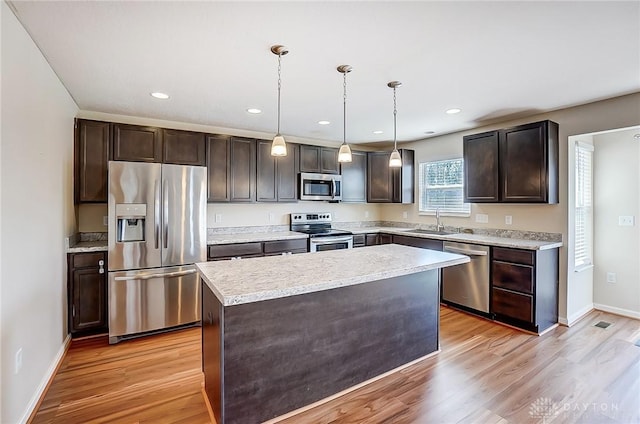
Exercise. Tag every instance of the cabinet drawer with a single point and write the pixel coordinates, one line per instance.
(280, 246)
(372, 239)
(239, 249)
(511, 304)
(359, 240)
(512, 276)
(513, 255)
(86, 260)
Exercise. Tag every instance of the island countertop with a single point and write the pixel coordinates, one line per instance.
(253, 280)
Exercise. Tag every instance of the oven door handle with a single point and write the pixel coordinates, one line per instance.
(330, 240)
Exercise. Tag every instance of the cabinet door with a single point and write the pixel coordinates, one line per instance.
(91, 161)
(183, 147)
(379, 178)
(423, 243)
(524, 163)
(87, 292)
(243, 170)
(384, 238)
(218, 163)
(287, 174)
(372, 239)
(309, 158)
(481, 179)
(403, 178)
(354, 178)
(266, 176)
(329, 160)
(136, 143)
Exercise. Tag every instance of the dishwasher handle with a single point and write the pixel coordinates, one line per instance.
(465, 252)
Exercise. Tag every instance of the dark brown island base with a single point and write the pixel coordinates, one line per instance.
(282, 332)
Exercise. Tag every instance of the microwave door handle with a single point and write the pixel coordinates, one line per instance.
(333, 188)
(156, 211)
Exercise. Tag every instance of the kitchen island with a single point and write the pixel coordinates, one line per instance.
(282, 332)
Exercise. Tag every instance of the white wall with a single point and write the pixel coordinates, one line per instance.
(616, 248)
(620, 112)
(37, 214)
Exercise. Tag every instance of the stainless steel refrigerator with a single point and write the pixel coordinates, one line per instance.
(157, 231)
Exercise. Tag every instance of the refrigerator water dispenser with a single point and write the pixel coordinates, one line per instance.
(130, 219)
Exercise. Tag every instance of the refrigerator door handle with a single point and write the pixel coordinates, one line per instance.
(156, 275)
(165, 214)
(156, 207)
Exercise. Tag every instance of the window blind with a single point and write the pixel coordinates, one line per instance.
(441, 187)
(583, 227)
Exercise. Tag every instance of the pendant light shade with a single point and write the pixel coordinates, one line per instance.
(395, 160)
(344, 155)
(278, 146)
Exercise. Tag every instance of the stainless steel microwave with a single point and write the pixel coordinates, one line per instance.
(320, 186)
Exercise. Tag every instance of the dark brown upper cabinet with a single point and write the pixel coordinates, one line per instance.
(183, 147)
(319, 159)
(276, 177)
(218, 161)
(231, 165)
(137, 143)
(481, 167)
(390, 185)
(91, 158)
(354, 178)
(512, 165)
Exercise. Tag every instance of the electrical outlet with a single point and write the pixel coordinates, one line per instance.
(611, 277)
(18, 362)
(626, 221)
(105, 221)
(218, 217)
(508, 219)
(366, 214)
(482, 218)
(405, 214)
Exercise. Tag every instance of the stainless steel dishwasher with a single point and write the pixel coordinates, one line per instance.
(467, 284)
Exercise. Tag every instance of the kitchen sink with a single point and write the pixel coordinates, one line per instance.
(435, 232)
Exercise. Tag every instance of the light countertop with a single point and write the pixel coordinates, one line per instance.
(254, 237)
(88, 246)
(252, 280)
(486, 240)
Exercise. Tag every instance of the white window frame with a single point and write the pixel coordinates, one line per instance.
(465, 208)
(583, 210)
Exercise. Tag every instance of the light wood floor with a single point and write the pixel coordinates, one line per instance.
(485, 373)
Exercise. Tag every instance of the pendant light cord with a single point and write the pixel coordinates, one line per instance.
(344, 110)
(395, 113)
(279, 88)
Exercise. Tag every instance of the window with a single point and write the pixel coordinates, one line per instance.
(441, 186)
(583, 256)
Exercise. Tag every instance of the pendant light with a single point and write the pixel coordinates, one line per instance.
(278, 146)
(395, 161)
(344, 154)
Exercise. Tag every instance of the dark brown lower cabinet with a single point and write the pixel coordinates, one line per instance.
(87, 293)
(524, 287)
(423, 243)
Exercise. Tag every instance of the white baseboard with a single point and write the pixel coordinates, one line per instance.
(576, 316)
(618, 311)
(44, 384)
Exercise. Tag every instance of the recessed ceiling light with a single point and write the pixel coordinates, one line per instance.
(378, 132)
(254, 110)
(324, 122)
(159, 95)
(429, 132)
(453, 110)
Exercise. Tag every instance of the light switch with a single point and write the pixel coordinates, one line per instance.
(626, 221)
(218, 217)
(482, 218)
(105, 221)
(405, 214)
(508, 219)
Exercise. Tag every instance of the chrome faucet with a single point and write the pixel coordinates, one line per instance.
(439, 226)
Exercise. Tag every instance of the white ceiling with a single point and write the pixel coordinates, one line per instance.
(491, 59)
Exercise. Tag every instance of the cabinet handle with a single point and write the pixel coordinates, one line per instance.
(101, 265)
(73, 311)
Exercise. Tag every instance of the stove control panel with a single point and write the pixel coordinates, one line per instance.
(310, 218)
